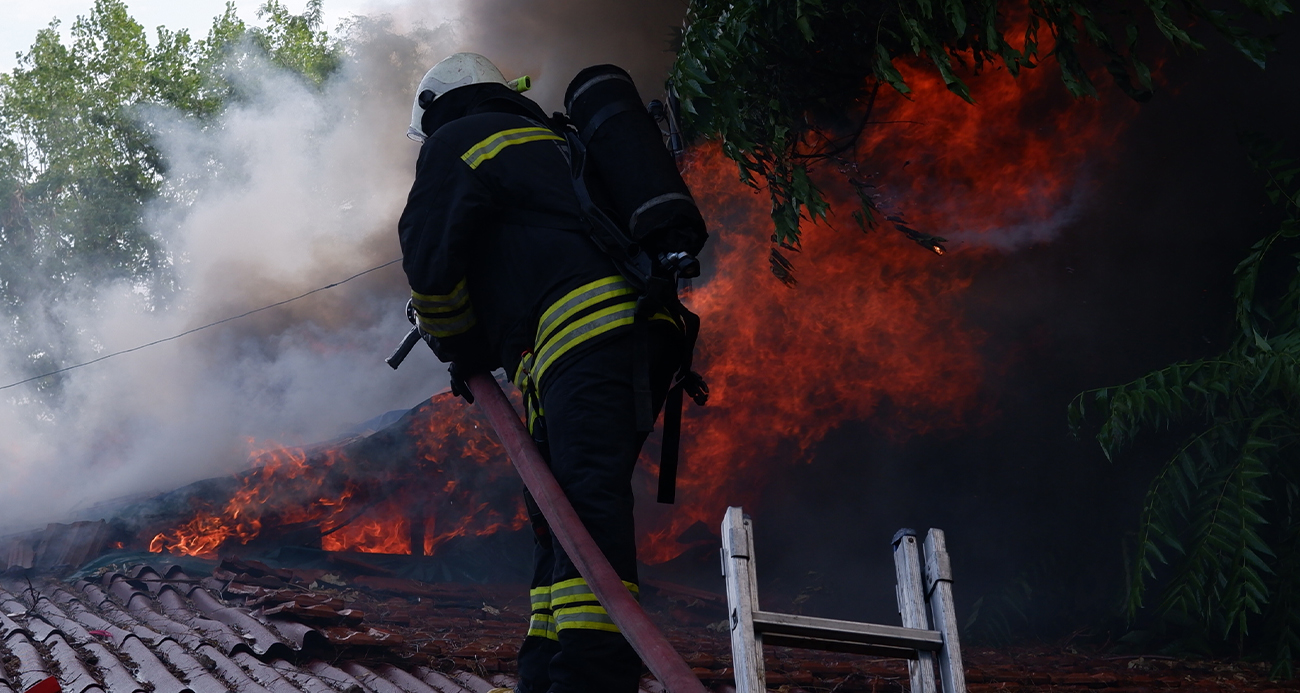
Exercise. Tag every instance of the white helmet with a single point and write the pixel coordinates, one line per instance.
(456, 70)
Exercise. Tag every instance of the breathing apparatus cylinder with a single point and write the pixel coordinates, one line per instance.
(637, 178)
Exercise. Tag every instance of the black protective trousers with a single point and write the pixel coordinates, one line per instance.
(591, 442)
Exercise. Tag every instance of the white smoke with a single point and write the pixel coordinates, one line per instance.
(294, 188)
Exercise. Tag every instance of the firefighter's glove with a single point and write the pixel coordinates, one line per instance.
(469, 355)
(459, 385)
(693, 384)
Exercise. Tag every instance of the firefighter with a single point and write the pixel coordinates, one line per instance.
(504, 275)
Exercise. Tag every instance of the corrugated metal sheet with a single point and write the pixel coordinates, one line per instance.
(58, 545)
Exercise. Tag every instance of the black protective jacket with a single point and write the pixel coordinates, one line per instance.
(492, 234)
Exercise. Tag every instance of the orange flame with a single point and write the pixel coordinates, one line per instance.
(439, 475)
(871, 323)
(872, 326)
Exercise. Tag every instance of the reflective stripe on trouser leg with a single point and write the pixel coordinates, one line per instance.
(576, 591)
(593, 451)
(588, 617)
(575, 606)
(542, 623)
(542, 626)
(541, 644)
(540, 597)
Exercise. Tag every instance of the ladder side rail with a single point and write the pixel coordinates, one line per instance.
(938, 586)
(742, 602)
(911, 605)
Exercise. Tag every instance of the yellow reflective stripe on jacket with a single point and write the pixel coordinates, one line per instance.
(542, 626)
(442, 303)
(534, 413)
(494, 143)
(580, 315)
(584, 296)
(523, 372)
(586, 327)
(523, 380)
(585, 617)
(448, 327)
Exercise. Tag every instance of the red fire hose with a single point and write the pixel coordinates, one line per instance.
(663, 660)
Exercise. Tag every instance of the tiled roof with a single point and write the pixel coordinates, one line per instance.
(247, 626)
(165, 632)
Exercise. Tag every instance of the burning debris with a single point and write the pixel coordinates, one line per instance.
(875, 328)
(431, 477)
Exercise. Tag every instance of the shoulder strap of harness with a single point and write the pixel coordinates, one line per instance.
(656, 292)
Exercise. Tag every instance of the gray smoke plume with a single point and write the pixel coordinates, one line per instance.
(293, 189)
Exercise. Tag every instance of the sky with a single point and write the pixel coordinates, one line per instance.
(23, 18)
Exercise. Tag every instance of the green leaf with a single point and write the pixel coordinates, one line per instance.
(884, 69)
(805, 28)
(956, 11)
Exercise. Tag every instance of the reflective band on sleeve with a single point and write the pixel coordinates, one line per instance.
(448, 327)
(585, 617)
(442, 303)
(655, 202)
(586, 295)
(494, 143)
(542, 626)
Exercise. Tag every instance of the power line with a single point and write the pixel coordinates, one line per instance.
(196, 329)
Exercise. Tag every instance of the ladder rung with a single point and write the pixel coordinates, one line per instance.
(826, 645)
(766, 622)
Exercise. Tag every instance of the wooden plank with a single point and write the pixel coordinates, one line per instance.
(938, 585)
(742, 601)
(911, 605)
(767, 622)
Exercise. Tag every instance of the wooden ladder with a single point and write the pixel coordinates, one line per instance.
(915, 641)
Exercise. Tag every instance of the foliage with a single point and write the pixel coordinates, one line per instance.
(1220, 526)
(77, 158)
(995, 618)
(297, 42)
(775, 81)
